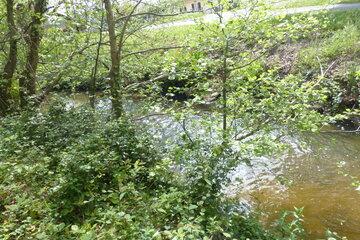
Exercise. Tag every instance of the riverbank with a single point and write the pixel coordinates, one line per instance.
(190, 121)
(326, 55)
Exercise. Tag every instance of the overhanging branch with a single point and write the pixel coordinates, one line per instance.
(153, 14)
(153, 50)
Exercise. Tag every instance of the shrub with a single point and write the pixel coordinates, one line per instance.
(76, 174)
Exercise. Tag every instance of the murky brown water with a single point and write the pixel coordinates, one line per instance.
(309, 176)
(311, 179)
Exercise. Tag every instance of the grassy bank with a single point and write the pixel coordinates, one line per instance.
(304, 3)
(332, 58)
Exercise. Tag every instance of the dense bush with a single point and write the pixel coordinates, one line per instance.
(76, 174)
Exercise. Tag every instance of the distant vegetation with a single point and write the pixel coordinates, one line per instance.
(302, 3)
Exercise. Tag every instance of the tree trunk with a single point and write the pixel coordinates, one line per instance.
(27, 80)
(10, 66)
(94, 73)
(224, 78)
(115, 62)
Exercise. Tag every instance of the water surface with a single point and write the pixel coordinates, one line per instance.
(318, 178)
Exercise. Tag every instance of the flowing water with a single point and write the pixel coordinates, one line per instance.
(318, 176)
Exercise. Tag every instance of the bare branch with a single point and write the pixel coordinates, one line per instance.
(153, 14)
(153, 50)
(186, 131)
(321, 67)
(249, 63)
(159, 78)
(123, 30)
(40, 97)
(252, 132)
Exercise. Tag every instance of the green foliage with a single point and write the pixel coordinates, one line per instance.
(339, 19)
(185, 73)
(333, 236)
(75, 174)
(302, 3)
(257, 99)
(80, 174)
(290, 224)
(184, 16)
(342, 43)
(332, 61)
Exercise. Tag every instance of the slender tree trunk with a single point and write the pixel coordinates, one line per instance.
(115, 62)
(27, 80)
(224, 87)
(224, 78)
(93, 79)
(10, 66)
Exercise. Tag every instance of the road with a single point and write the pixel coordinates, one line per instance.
(230, 15)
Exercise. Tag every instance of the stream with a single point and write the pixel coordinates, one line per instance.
(313, 178)
(317, 176)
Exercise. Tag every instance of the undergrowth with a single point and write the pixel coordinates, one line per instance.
(76, 174)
